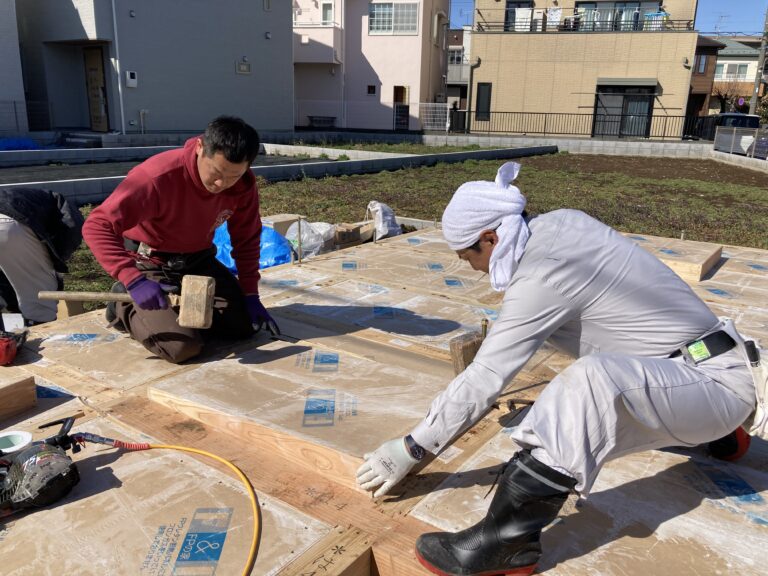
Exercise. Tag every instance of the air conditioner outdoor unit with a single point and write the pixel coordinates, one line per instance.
(440, 98)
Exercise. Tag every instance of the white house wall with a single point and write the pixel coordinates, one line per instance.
(184, 53)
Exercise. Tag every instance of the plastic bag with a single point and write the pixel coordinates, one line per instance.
(384, 219)
(274, 248)
(316, 237)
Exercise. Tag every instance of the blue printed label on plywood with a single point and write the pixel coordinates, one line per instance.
(638, 238)
(758, 267)
(435, 267)
(415, 241)
(453, 282)
(325, 362)
(201, 548)
(285, 283)
(669, 252)
(319, 407)
(383, 312)
(349, 266)
(720, 292)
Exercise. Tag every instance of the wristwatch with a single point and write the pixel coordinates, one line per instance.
(414, 449)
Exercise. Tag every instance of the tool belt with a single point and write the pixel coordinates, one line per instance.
(173, 260)
(702, 349)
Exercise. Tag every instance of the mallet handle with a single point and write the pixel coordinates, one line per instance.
(94, 296)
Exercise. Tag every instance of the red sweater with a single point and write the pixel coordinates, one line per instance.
(163, 203)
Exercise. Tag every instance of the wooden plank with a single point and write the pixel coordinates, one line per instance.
(332, 464)
(310, 492)
(17, 392)
(690, 260)
(313, 405)
(343, 552)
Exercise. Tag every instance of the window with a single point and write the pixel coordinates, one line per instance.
(327, 10)
(701, 63)
(371, 90)
(742, 73)
(718, 71)
(393, 18)
(456, 56)
(511, 20)
(483, 103)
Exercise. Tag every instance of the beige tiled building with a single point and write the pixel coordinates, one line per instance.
(624, 66)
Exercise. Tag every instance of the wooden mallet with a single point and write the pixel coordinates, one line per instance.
(195, 302)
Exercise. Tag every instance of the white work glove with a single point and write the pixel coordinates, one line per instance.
(386, 466)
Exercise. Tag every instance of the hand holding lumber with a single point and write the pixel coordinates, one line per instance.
(385, 467)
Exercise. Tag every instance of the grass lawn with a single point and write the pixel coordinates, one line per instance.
(707, 200)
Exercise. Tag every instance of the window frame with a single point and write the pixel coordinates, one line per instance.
(392, 28)
(323, 4)
(483, 113)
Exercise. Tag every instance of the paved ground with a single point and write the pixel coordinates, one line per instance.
(101, 169)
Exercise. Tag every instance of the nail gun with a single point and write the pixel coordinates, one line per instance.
(40, 474)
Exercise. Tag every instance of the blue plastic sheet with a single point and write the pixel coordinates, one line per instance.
(275, 249)
(18, 144)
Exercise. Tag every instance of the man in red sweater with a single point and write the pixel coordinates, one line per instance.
(158, 225)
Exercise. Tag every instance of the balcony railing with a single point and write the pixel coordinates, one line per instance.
(731, 78)
(458, 74)
(584, 21)
(631, 126)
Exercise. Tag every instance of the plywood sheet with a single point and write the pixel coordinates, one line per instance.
(289, 280)
(308, 403)
(84, 344)
(152, 513)
(656, 512)
(437, 273)
(384, 314)
(428, 240)
(690, 260)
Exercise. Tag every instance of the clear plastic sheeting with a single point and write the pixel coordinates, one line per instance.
(316, 237)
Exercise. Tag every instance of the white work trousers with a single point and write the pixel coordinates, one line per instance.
(27, 264)
(607, 405)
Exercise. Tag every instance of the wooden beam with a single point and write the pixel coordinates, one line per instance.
(17, 392)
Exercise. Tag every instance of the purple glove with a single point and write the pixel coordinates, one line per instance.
(259, 314)
(147, 294)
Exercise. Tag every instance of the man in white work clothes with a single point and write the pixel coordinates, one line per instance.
(654, 368)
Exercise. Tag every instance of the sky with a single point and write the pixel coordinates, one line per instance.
(745, 16)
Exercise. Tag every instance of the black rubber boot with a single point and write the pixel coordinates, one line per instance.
(506, 541)
(731, 447)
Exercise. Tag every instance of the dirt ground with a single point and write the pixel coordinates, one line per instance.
(634, 166)
(657, 168)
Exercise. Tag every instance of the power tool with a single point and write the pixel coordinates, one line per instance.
(10, 343)
(40, 474)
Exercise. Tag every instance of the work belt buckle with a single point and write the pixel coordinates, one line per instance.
(696, 352)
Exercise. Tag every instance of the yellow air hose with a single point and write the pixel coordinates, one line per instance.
(82, 437)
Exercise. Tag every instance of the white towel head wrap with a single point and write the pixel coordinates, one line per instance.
(479, 206)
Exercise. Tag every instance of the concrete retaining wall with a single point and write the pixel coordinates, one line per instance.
(95, 190)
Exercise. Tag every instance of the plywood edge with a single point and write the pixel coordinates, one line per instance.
(343, 552)
(17, 392)
(335, 466)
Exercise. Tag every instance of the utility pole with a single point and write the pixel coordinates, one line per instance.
(760, 66)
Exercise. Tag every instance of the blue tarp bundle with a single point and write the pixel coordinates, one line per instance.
(18, 144)
(275, 249)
